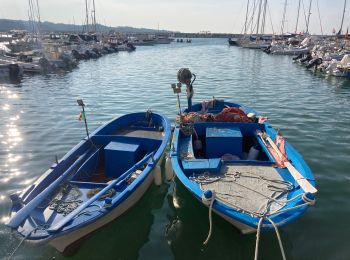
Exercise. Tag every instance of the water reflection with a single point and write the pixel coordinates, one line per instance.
(10, 137)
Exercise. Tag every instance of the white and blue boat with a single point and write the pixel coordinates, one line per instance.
(242, 169)
(97, 181)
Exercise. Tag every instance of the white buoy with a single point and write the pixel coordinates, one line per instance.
(169, 173)
(157, 173)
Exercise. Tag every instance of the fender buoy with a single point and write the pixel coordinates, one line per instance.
(169, 173)
(157, 174)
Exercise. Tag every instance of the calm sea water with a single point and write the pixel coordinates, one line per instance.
(38, 120)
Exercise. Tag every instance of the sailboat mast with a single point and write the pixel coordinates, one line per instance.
(31, 16)
(284, 17)
(263, 18)
(308, 18)
(258, 21)
(87, 16)
(38, 14)
(246, 18)
(252, 17)
(93, 4)
(296, 25)
(342, 19)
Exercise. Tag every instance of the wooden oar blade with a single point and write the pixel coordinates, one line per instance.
(300, 179)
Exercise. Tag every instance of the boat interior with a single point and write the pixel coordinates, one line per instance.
(232, 160)
(103, 160)
(211, 143)
(112, 155)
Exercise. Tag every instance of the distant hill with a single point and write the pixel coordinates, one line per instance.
(7, 24)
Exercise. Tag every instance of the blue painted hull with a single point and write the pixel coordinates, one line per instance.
(103, 174)
(245, 221)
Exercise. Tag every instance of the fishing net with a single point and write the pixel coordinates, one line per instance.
(109, 193)
(228, 114)
(66, 199)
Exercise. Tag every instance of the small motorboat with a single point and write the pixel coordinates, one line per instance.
(233, 161)
(233, 41)
(97, 181)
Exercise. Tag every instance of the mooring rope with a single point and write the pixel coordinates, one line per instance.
(39, 227)
(258, 232)
(208, 199)
(278, 237)
(257, 239)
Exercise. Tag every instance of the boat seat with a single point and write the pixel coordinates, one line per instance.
(200, 165)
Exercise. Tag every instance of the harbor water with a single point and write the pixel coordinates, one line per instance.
(39, 121)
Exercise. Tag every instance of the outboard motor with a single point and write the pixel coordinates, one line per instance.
(307, 58)
(298, 57)
(67, 60)
(88, 54)
(114, 48)
(14, 70)
(267, 49)
(25, 58)
(314, 63)
(94, 55)
(76, 55)
(131, 46)
(106, 49)
(95, 50)
(45, 64)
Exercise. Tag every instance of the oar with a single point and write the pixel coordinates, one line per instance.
(83, 206)
(301, 180)
(18, 218)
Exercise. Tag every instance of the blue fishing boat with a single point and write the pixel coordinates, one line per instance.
(97, 181)
(233, 161)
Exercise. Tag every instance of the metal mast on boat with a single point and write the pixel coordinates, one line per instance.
(87, 16)
(296, 25)
(308, 18)
(94, 17)
(284, 17)
(263, 18)
(246, 18)
(258, 20)
(342, 19)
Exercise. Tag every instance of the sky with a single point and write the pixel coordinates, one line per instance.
(216, 16)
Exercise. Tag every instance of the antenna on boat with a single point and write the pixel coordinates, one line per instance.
(184, 76)
(83, 116)
(177, 89)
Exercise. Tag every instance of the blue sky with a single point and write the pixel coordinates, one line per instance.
(183, 15)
